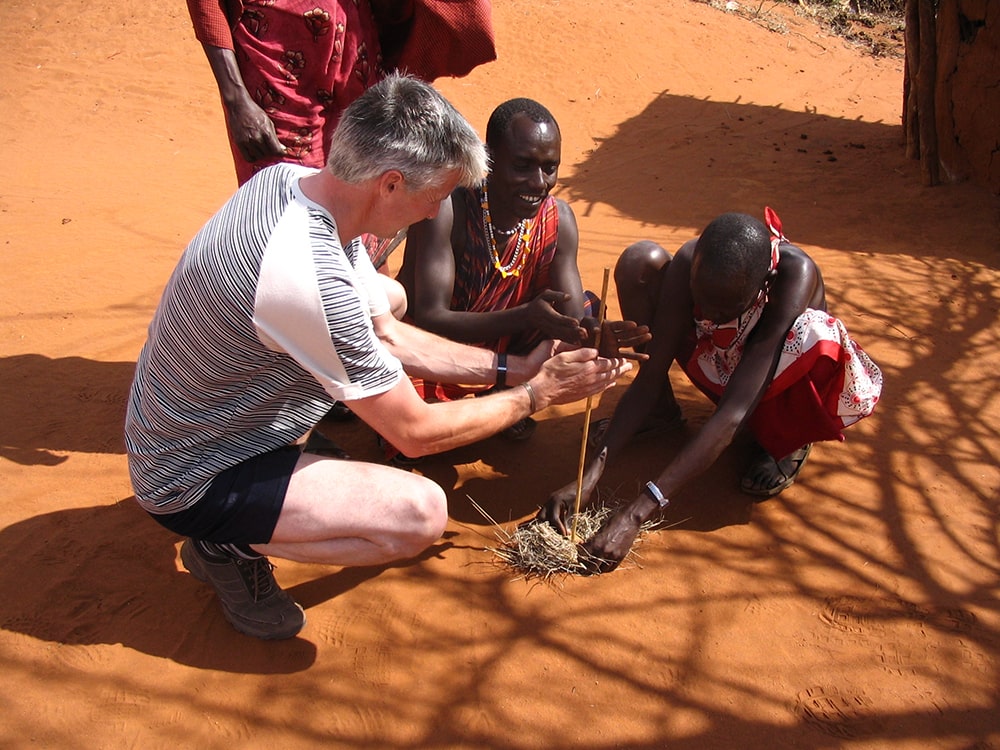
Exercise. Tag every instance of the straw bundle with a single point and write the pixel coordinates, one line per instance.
(535, 550)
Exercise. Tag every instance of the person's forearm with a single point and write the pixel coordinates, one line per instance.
(452, 424)
(471, 327)
(427, 355)
(697, 457)
(737, 404)
(227, 75)
(632, 409)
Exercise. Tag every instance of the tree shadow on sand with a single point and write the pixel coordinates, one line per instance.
(889, 541)
(682, 161)
(109, 574)
(886, 547)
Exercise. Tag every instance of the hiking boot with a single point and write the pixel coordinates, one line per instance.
(251, 599)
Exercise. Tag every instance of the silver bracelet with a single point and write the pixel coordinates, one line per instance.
(654, 492)
(531, 396)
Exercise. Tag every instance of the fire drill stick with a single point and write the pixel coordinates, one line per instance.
(586, 420)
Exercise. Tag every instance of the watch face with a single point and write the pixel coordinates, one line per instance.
(654, 492)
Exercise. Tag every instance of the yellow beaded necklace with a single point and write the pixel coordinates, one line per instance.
(521, 249)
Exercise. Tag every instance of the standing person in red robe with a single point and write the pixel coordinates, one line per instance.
(287, 69)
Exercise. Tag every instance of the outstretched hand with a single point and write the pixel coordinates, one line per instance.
(617, 335)
(543, 316)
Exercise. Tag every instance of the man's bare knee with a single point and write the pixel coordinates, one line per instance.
(422, 521)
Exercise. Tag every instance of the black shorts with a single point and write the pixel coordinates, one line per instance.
(242, 504)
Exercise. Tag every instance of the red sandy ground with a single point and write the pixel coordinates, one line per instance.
(860, 609)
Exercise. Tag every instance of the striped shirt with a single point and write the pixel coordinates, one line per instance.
(264, 323)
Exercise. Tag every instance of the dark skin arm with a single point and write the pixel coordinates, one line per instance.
(669, 332)
(251, 128)
(796, 286)
(431, 248)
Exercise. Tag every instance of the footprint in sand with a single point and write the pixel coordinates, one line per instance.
(838, 713)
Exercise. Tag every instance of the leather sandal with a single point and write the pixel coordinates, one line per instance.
(764, 467)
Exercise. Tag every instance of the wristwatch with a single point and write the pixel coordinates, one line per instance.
(654, 492)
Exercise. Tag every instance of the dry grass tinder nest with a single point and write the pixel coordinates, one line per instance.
(537, 550)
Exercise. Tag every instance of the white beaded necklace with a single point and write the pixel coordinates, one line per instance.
(521, 250)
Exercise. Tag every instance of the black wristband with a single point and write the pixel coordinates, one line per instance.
(502, 370)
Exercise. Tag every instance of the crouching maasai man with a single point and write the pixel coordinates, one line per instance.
(743, 312)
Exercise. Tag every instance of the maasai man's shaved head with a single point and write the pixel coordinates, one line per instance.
(735, 246)
(731, 260)
(499, 123)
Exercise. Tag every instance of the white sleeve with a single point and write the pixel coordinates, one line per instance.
(316, 308)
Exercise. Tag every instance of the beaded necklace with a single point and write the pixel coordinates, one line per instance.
(521, 250)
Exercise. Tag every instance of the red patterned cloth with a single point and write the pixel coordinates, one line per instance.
(447, 38)
(480, 287)
(303, 62)
(210, 19)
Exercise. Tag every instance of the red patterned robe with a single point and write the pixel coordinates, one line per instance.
(824, 380)
(480, 287)
(302, 61)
